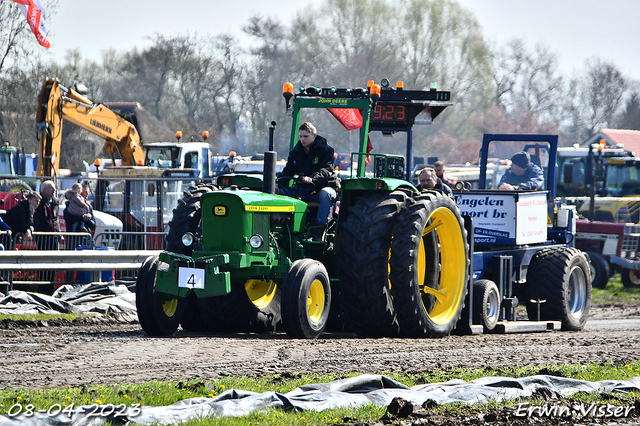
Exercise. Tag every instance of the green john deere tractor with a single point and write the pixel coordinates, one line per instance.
(391, 261)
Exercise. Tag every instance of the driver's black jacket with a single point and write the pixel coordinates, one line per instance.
(317, 164)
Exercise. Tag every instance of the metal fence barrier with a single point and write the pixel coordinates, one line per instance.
(50, 259)
(132, 240)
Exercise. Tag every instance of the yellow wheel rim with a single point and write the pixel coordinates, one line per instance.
(315, 301)
(448, 296)
(170, 307)
(260, 292)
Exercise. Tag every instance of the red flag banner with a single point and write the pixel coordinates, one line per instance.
(33, 10)
(350, 118)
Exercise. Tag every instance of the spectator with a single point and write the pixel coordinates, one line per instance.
(522, 175)
(429, 180)
(312, 158)
(438, 166)
(6, 236)
(20, 217)
(75, 209)
(46, 217)
(88, 218)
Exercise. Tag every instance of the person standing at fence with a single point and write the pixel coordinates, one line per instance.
(75, 209)
(46, 217)
(5, 236)
(20, 217)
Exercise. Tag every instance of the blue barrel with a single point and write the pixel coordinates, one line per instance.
(106, 276)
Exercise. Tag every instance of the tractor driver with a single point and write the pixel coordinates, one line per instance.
(312, 158)
(522, 175)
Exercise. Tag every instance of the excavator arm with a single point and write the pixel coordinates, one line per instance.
(57, 104)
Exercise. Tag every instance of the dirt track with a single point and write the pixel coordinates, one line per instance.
(106, 352)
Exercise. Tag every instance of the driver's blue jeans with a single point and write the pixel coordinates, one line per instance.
(324, 197)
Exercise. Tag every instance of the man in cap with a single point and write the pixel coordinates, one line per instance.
(522, 175)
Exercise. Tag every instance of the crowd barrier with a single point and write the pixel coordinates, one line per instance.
(50, 259)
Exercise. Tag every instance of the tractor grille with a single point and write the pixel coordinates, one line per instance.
(261, 227)
(630, 241)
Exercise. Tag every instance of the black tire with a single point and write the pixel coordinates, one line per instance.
(424, 257)
(306, 299)
(251, 307)
(599, 268)
(363, 262)
(630, 278)
(561, 276)
(14, 186)
(186, 218)
(486, 304)
(157, 316)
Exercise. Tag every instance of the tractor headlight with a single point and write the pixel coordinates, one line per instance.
(188, 239)
(256, 241)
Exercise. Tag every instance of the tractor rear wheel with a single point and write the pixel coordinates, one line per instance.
(561, 277)
(486, 304)
(306, 299)
(429, 266)
(186, 218)
(14, 186)
(630, 278)
(599, 268)
(157, 316)
(252, 306)
(365, 294)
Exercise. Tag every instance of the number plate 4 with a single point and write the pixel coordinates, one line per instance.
(191, 278)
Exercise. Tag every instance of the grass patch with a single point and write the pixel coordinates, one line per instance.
(40, 317)
(166, 393)
(615, 292)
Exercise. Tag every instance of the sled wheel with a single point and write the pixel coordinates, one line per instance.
(363, 261)
(306, 299)
(630, 278)
(561, 276)
(429, 265)
(599, 269)
(486, 304)
(157, 316)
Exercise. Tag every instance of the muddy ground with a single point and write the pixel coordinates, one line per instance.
(105, 351)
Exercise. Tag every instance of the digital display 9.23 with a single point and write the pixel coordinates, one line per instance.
(396, 115)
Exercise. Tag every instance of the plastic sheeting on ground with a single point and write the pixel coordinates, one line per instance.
(353, 392)
(91, 299)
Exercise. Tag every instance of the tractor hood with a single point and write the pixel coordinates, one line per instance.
(231, 217)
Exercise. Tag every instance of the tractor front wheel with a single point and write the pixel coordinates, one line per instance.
(630, 278)
(306, 299)
(561, 277)
(253, 306)
(599, 270)
(429, 266)
(158, 316)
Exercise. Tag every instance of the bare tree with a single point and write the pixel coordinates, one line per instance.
(595, 98)
(527, 80)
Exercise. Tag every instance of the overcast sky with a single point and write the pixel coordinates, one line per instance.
(575, 30)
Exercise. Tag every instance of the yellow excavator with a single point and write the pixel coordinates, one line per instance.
(57, 104)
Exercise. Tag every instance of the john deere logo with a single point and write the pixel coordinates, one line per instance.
(220, 210)
(315, 160)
